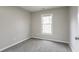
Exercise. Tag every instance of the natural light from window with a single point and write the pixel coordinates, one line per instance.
(46, 21)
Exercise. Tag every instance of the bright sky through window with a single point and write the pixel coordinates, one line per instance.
(46, 24)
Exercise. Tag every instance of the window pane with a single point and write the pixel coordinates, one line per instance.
(46, 28)
(46, 19)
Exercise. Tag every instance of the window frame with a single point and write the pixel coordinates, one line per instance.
(46, 24)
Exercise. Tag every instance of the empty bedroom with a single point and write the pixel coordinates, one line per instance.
(39, 29)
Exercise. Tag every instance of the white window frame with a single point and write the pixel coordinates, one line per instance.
(42, 30)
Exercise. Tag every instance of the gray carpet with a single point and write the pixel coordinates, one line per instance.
(38, 45)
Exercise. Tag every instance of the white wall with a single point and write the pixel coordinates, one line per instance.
(60, 24)
(74, 44)
(14, 25)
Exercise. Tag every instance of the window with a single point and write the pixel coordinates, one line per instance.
(46, 21)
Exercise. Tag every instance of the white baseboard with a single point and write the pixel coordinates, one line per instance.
(52, 40)
(13, 44)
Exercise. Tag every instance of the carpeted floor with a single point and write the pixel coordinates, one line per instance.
(38, 45)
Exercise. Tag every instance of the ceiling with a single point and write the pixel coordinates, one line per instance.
(38, 8)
